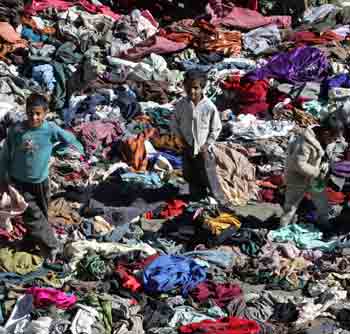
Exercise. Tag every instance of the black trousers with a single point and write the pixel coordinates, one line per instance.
(200, 172)
(35, 218)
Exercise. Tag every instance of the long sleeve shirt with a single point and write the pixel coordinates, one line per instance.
(26, 152)
(196, 125)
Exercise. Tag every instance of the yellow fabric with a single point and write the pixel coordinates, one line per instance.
(21, 263)
(222, 222)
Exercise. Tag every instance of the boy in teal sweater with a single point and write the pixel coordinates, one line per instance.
(24, 163)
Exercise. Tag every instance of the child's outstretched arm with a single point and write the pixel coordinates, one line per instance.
(66, 137)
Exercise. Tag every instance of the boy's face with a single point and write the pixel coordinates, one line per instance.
(194, 90)
(36, 116)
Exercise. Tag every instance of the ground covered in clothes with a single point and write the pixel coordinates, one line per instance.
(136, 255)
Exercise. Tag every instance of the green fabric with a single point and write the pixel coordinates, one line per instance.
(21, 263)
(272, 281)
(318, 185)
(92, 267)
(304, 236)
(103, 305)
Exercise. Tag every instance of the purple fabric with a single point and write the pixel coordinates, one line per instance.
(341, 169)
(340, 80)
(297, 66)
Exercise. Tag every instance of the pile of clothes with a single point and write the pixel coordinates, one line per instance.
(136, 255)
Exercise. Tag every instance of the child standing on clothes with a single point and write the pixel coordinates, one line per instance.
(305, 173)
(24, 164)
(197, 122)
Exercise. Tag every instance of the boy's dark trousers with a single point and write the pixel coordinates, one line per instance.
(35, 218)
(200, 172)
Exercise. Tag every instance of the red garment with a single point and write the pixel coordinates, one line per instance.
(277, 180)
(222, 294)
(334, 197)
(246, 19)
(174, 208)
(267, 195)
(229, 325)
(61, 5)
(128, 280)
(312, 38)
(252, 96)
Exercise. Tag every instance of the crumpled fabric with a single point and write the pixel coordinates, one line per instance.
(221, 294)
(19, 262)
(76, 251)
(229, 325)
(299, 65)
(304, 236)
(185, 315)
(249, 128)
(9, 34)
(155, 44)
(246, 19)
(12, 204)
(43, 297)
(236, 175)
(170, 272)
(133, 151)
(61, 5)
(262, 39)
(95, 134)
(85, 320)
(217, 225)
(44, 75)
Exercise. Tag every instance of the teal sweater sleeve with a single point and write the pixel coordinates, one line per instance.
(65, 137)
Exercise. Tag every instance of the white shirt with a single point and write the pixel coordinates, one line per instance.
(197, 125)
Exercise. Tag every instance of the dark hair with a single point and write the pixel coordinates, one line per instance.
(37, 100)
(196, 75)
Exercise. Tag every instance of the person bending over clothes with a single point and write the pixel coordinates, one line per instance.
(307, 167)
(24, 163)
(197, 122)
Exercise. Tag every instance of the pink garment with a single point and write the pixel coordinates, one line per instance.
(243, 18)
(43, 297)
(9, 34)
(155, 44)
(62, 5)
(147, 14)
(97, 134)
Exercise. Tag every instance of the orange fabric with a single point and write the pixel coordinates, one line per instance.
(184, 37)
(133, 150)
(213, 39)
(168, 142)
